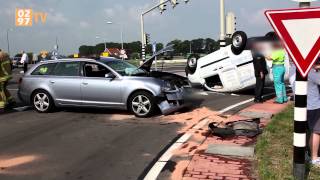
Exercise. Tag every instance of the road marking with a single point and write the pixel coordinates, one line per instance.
(184, 138)
(218, 93)
(235, 95)
(203, 93)
(241, 103)
(13, 89)
(235, 105)
(201, 124)
(155, 171)
(169, 153)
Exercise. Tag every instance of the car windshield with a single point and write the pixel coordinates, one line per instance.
(124, 68)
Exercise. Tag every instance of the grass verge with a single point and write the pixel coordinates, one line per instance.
(274, 149)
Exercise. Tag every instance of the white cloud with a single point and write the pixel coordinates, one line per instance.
(109, 12)
(256, 17)
(84, 24)
(57, 18)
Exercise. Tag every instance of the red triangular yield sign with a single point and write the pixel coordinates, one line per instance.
(299, 30)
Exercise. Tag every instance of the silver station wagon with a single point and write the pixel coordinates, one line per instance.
(105, 83)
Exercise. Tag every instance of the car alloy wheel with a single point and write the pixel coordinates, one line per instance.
(141, 105)
(41, 102)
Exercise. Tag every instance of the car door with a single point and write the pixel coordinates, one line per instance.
(66, 82)
(100, 87)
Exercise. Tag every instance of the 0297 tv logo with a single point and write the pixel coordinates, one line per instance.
(26, 17)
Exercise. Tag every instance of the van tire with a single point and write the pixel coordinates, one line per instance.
(239, 42)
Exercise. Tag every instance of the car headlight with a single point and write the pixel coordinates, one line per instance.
(167, 86)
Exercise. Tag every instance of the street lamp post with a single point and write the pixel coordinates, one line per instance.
(105, 43)
(8, 42)
(121, 32)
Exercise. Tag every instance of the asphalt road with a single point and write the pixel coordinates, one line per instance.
(86, 143)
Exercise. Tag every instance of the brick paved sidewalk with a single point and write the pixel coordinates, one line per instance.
(201, 165)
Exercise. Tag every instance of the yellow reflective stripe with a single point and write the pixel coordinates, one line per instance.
(5, 78)
(4, 70)
(2, 104)
(278, 63)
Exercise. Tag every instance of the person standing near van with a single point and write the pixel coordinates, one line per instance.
(24, 61)
(278, 57)
(260, 70)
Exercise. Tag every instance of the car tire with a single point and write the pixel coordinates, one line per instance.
(239, 42)
(142, 104)
(192, 63)
(42, 101)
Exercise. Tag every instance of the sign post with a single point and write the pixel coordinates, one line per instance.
(300, 123)
(299, 31)
(154, 50)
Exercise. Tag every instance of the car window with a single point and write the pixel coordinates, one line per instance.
(67, 69)
(124, 68)
(95, 70)
(45, 69)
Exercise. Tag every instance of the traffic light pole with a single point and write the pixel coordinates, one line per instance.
(143, 48)
(143, 40)
(300, 119)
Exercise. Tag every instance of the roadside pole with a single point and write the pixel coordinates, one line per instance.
(143, 40)
(143, 47)
(8, 41)
(300, 126)
(222, 24)
(154, 50)
(300, 119)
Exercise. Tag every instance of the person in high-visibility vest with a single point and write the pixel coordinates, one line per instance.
(278, 57)
(5, 75)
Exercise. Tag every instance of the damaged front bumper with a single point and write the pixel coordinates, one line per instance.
(172, 101)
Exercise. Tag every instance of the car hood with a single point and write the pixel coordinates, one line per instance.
(148, 63)
(175, 79)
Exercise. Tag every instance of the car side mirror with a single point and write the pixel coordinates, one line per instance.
(110, 76)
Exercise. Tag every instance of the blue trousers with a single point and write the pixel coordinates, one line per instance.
(279, 85)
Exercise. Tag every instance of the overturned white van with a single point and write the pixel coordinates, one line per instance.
(230, 68)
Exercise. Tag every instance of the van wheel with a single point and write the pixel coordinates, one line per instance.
(42, 102)
(239, 42)
(142, 104)
(192, 63)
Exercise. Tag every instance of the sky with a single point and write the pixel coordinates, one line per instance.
(78, 22)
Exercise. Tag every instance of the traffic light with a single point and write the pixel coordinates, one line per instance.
(147, 38)
(174, 3)
(163, 6)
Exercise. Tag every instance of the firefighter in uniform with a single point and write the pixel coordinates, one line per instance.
(5, 75)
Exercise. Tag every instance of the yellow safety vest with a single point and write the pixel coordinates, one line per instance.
(278, 57)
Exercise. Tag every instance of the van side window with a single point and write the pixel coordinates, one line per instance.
(67, 69)
(45, 69)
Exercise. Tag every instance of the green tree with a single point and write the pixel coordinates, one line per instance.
(86, 50)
